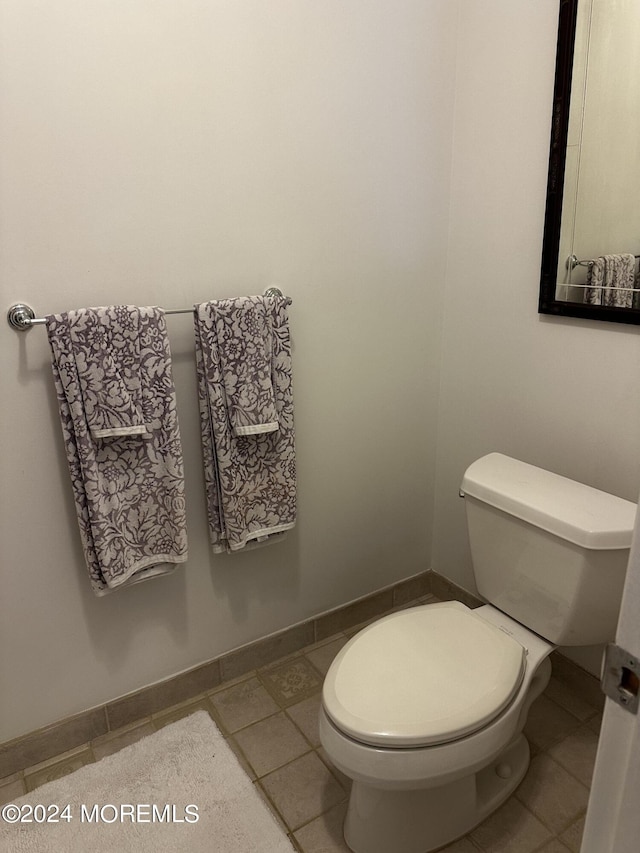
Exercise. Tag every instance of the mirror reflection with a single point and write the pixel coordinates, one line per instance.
(596, 164)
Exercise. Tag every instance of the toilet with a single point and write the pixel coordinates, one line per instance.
(424, 709)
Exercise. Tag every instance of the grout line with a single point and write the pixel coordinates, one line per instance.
(332, 770)
(339, 805)
(274, 808)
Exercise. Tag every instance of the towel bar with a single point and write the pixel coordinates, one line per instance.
(573, 262)
(22, 316)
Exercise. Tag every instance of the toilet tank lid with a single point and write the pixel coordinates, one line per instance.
(573, 511)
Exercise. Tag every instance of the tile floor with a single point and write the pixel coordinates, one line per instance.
(269, 717)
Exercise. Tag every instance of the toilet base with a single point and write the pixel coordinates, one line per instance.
(419, 821)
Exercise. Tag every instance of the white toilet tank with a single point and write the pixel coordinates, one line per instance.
(548, 551)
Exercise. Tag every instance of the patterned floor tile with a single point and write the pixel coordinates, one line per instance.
(291, 681)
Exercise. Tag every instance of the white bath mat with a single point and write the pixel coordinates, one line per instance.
(180, 789)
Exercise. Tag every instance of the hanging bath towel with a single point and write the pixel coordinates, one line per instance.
(610, 281)
(113, 378)
(243, 361)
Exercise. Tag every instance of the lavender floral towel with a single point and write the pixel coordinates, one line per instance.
(106, 347)
(250, 479)
(112, 371)
(611, 281)
(244, 339)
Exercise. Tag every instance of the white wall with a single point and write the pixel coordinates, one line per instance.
(562, 394)
(155, 152)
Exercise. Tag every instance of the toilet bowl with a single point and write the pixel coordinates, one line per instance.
(432, 750)
(424, 709)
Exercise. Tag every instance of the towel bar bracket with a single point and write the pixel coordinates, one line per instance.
(273, 291)
(22, 316)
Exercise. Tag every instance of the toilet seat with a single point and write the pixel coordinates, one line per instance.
(421, 676)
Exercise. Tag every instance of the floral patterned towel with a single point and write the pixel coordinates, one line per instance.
(250, 478)
(128, 486)
(106, 348)
(611, 281)
(244, 343)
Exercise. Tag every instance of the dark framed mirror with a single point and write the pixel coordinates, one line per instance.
(591, 243)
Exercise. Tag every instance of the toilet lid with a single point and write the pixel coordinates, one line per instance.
(421, 676)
